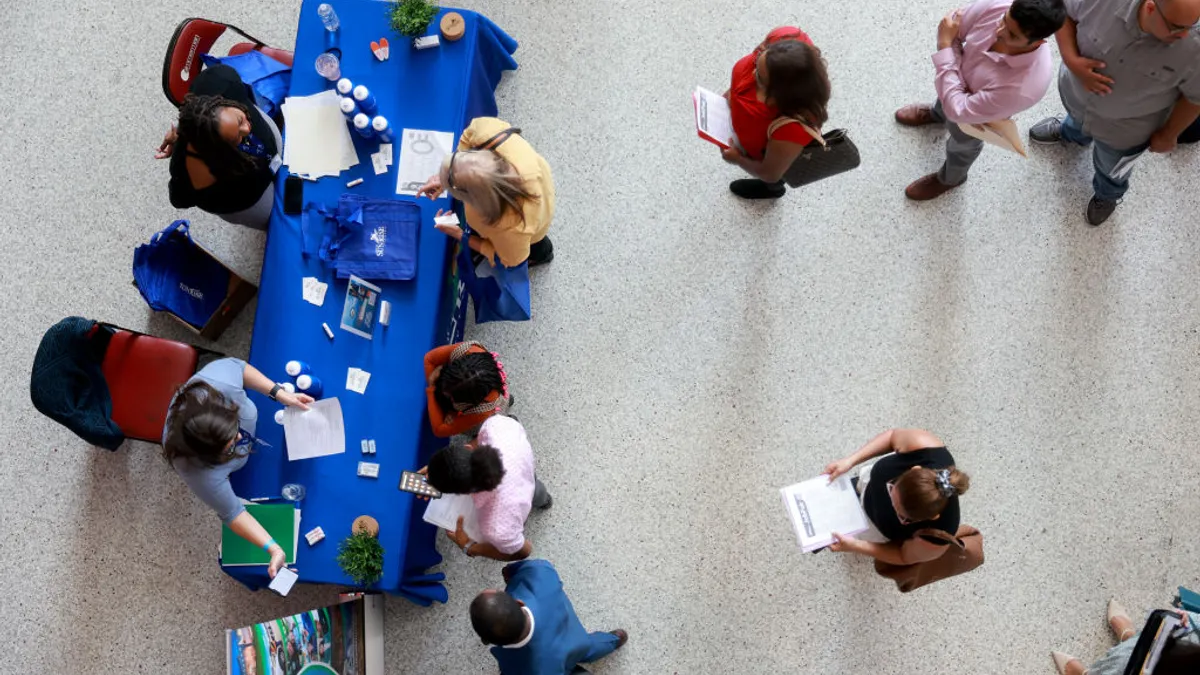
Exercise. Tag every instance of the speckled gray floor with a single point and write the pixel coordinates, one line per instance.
(690, 354)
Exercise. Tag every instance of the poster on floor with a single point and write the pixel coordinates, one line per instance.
(343, 639)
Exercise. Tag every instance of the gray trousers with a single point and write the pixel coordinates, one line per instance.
(540, 494)
(961, 151)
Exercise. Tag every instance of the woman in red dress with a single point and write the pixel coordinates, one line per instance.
(775, 92)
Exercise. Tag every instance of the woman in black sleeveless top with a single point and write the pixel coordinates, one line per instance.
(915, 487)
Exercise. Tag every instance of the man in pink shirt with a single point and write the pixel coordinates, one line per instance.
(991, 64)
(497, 470)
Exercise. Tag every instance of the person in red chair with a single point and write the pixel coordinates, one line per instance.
(210, 434)
(225, 151)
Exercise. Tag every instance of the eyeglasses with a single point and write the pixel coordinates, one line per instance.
(891, 485)
(1171, 27)
(450, 173)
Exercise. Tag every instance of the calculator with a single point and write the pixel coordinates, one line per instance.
(411, 481)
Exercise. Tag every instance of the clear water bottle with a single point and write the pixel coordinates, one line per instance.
(328, 17)
(293, 492)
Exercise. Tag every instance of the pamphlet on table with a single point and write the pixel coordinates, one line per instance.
(421, 155)
(362, 303)
(818, 508)
(713, 122)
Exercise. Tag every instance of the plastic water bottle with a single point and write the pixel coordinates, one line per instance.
(293, 492)
(362, 124)
(328, 17)
(382, 130)
(365, 99)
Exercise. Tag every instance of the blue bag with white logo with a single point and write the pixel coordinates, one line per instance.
(175, 275)
(367, 238)
(499, 293)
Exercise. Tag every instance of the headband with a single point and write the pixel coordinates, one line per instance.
(942, 476)
(500, 404)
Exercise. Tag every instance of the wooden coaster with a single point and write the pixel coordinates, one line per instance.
(365, 524)
(453, 26)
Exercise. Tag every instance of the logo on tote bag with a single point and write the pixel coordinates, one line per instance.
(194, 292)
(379, 236)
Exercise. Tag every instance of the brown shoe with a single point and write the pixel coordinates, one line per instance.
(915, 115)
(927, 187)
(622, 637)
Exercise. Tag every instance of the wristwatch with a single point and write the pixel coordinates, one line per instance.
(274, 390)
(467, 547)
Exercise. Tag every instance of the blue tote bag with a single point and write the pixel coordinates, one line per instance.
(364, 237)
(175, 275)
(499, 293)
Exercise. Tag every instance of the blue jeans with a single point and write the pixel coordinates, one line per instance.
(1113, 165)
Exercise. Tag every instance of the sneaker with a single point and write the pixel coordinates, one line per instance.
(1099, 210)
(541, 253)
(753, 188)
(1047, 132)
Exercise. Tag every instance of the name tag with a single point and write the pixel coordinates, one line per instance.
(276, 162)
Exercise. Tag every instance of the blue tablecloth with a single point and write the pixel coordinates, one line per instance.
(438, 89)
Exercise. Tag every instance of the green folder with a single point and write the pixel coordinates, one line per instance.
(281, 521)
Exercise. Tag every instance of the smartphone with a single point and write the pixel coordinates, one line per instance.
(293, 195)
(411, 481)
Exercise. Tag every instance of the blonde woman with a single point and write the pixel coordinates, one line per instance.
(506, 190)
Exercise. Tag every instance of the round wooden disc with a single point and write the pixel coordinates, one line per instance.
(365, 524)
(453, 26)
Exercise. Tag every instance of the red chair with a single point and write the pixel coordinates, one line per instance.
(143, 372)
(194, 37)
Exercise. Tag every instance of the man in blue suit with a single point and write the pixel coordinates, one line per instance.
(533, 625)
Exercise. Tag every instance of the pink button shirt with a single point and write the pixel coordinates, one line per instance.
(502, 512)
(976, 85)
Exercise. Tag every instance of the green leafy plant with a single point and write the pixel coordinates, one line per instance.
(412, 17)
(361, 558)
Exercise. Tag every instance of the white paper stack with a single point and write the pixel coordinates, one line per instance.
(444, 513)
(318, 138)
(316, 432)
(818, 508)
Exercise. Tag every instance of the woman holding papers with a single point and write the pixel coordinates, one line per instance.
(914, 487)
(506, 190)
(209, 434)
(225, 151)
(1182, 655)
(777, 100)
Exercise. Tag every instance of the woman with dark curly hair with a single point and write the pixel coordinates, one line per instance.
(467, 385)
(224, 152)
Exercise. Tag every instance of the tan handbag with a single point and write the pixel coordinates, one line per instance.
(964, 553)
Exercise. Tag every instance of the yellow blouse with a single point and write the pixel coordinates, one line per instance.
(509, 237)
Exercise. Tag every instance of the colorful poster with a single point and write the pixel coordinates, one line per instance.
(326, 641)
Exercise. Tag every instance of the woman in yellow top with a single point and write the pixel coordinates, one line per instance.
(506, 190)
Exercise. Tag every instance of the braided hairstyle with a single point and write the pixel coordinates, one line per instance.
(468, 381)
(200, 125)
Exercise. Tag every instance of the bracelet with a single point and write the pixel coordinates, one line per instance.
(467, 548)
(273, 395)
(270, 542)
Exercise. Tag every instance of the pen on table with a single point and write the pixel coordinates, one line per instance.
(260, 500)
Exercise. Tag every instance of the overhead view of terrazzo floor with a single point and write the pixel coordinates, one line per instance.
(690, 353)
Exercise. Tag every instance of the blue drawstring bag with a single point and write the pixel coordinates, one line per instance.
(499, 293)
(364, 237)
(175, 275)
(267, 78)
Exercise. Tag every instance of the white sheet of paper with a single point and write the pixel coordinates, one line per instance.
(379, 163)
(318, 139)
(421, 154)
(385, 149)
(448, 219)
(314, 290)
(1002, 134)
(445, 510)
(316, 432)
(357, 380)
(818, 508)
(283, 581)
(713, 120)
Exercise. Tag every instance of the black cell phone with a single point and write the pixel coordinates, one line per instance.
(413, 482)
(293, 195)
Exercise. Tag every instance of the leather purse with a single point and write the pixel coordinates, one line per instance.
(964, 553)
(830, 154)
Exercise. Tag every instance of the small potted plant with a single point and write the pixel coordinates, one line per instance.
(411, 18)
(361, 555)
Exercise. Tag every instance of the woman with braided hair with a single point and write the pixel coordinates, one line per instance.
(467, 385)
(914, 487)
(224, 152)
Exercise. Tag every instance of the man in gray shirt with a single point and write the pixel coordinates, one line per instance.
(1130, 80)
